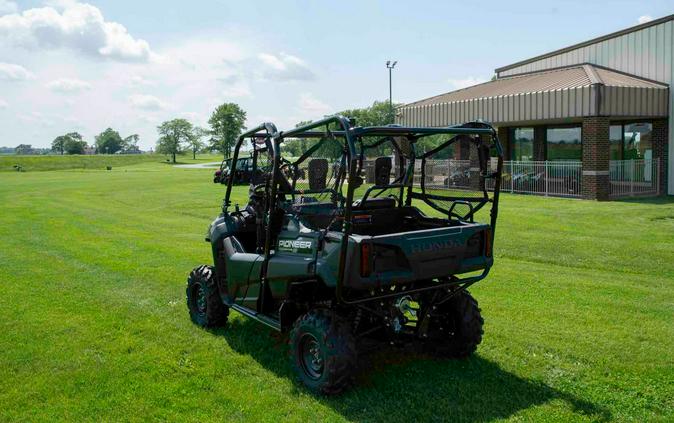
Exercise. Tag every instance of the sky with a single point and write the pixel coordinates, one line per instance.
(68, 65)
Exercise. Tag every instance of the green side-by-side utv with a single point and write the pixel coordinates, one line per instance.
(334, 247)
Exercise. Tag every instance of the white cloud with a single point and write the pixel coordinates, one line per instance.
(140, 81)
(60, 4)
(313, 107)
(79, 26)
(284, 67)
(13, 72)
(147, 102)
(3, 104)
(457, 84)
(65, 85)
(237, 90)
(7, 6)
(645, 18)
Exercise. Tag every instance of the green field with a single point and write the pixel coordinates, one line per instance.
(579, 313)
(95, 162)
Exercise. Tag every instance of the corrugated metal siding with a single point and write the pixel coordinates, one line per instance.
(647, 52)
(562, 103)
(634, 102)
(542, 105)
(553, 80)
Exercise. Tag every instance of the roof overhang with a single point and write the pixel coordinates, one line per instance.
(560, 94)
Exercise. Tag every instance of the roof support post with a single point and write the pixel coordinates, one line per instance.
(595, 184)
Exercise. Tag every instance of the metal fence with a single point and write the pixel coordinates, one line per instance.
(558, 178)
(631, 178)
(550, 178)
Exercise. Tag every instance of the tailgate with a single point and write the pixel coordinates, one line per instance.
(419, 255)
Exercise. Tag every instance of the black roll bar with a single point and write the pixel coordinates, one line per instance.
(269, 131)
(350, 134)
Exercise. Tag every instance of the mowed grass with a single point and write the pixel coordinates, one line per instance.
(579, 312)
(94, 162)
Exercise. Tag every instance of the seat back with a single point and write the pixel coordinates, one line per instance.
(382, 170)
(318, 174)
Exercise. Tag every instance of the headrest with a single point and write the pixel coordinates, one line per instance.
(382, 170)
(318, 174)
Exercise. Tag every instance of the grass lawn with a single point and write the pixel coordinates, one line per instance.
(579, 313)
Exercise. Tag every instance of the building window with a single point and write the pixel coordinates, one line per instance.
(631, 141)
(637, 141)
(564, 143)
(616, 140)
(521, 143)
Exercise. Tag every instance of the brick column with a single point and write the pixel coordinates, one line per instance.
(462, 149)
(660, 147)
(596, 154)
(474, 171)
(539, 143)
(502, 132)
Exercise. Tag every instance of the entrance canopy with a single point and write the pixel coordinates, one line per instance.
(557, 94)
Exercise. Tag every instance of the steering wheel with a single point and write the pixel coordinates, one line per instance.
(259, 189)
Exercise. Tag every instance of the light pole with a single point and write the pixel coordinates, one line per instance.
(390, 67)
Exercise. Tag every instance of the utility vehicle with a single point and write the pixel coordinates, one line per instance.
(332, 261)
(242, 174)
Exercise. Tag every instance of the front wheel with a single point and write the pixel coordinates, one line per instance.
(323, 351)
(203, 300)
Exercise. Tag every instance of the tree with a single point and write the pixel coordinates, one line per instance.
(227, 123)
(70, 143)
(130, 144)
(58, 145)
(173, 135)
(74, 146)
(379, 114)
(23, 149)
(109, 142)
(195, 141)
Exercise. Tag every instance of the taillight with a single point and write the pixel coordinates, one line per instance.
(365, 266)
(487, 242)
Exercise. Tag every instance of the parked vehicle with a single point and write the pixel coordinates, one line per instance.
(242, 174)
(331, 261)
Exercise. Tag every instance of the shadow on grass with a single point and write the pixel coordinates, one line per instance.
(394, 385)
(663, 199)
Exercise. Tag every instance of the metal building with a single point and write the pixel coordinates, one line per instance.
(604, 106)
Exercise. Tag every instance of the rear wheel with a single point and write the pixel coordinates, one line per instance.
(323, 351)
(203, 300)
(456, 327)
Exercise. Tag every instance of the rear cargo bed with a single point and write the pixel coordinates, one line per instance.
(417, 255)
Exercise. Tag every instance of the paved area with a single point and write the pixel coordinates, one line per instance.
(199, 165)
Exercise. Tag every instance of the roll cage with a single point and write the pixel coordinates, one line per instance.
(355, 142)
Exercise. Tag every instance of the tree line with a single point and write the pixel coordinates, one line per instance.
(107, 142)
(225, 125)
(380, 113)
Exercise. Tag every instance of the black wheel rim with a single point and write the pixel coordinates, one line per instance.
(198, 299)
(444, 326)
(311, 356)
